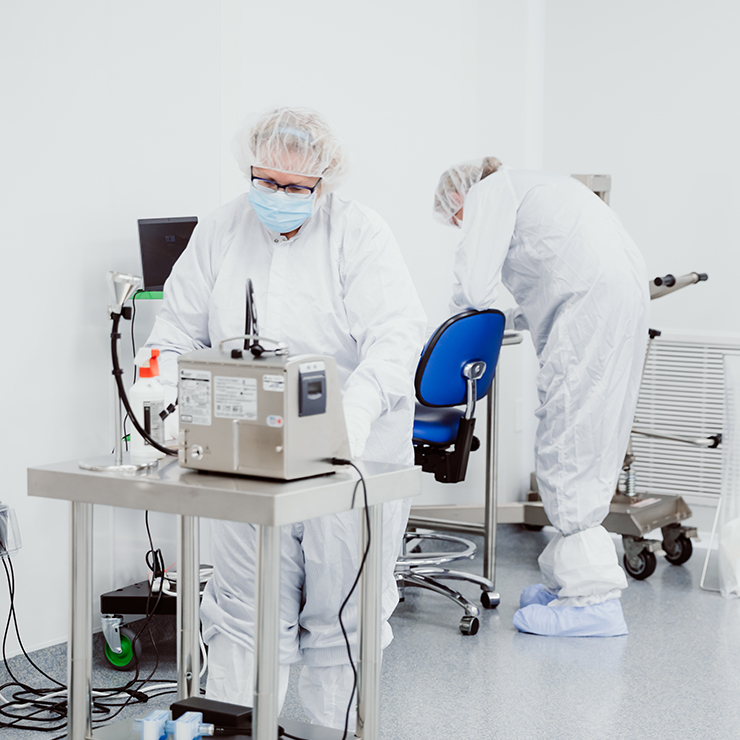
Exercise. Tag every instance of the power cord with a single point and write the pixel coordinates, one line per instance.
(338, 461)
(133, 319)
(341, 462)
(117, 374)
(45, 709)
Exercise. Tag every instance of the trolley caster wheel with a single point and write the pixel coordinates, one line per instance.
(680, 552)
(646, 566)
(469, 625)
(533, 527)
(129, 656)
(490, 599)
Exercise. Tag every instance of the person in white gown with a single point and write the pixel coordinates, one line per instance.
(328, 278)
(582, 291)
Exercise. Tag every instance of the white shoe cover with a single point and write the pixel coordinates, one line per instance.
(325, 692)
(536, 594)
(582, 568)
(231, 673)
(598, 620)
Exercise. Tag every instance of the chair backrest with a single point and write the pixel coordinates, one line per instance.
(466, 337)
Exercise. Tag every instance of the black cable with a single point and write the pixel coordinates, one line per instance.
(133, 357)
(117, 373)
(154, 560)
(10, 576)
(125, 433)
(41, 707)
(55, 708)
(133, 318)
(342, 461)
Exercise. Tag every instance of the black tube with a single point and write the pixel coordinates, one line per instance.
(248, 317)
(250, 323)
(117, 374)
(667, 280)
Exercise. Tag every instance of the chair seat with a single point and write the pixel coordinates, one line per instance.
(436, 426)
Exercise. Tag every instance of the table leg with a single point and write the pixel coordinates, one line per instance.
(79, 654)
(491, 496)
(267, 652)
(188, 607)
(369, 627)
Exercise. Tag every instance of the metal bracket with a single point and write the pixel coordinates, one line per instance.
(112, 631)
(673, 532)
(633, 546)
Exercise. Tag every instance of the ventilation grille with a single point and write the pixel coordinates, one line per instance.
(682, 393)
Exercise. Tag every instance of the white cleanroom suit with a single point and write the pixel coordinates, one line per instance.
(338, 287)
(582, 291)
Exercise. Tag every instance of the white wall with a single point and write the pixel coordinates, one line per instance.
(110, 113)
(119, 111)
(411, 87)
(648, 92)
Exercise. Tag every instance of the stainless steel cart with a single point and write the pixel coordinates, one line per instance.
(265, 503)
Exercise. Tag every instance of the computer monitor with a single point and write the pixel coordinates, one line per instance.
(162, 241)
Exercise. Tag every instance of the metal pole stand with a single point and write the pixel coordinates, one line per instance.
(267, 656)
(188, 607)
(79, 656)
(490, 520)
(369, 626)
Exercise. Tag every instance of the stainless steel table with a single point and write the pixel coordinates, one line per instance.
(264, 503)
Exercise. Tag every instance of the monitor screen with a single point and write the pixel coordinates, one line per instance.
(162, 241)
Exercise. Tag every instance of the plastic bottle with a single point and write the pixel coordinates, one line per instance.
(147, 402)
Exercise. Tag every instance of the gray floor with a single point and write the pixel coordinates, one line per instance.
(677, 674)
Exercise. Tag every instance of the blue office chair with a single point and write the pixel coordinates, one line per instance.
(456, 367)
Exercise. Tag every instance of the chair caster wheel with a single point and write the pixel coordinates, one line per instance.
(130, 653)
(469, 625)
(490, 599)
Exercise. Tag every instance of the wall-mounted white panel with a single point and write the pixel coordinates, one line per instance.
(110, 113)
(647, 92)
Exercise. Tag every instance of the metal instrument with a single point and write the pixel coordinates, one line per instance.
(666, 284)
(260, 412)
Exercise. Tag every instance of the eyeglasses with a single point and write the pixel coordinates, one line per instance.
(294, 191)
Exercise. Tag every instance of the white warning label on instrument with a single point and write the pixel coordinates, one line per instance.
(235, 398)
(195, 397)
(275, 383)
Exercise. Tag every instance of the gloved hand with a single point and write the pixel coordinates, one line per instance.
(358, 423)
(515, 320)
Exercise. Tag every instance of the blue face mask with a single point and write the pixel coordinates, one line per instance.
(278, 211)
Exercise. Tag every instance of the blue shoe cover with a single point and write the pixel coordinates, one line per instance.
(536, 594)
(598, 620)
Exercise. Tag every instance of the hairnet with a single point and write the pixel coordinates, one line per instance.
(294, 140)
(455, 183)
